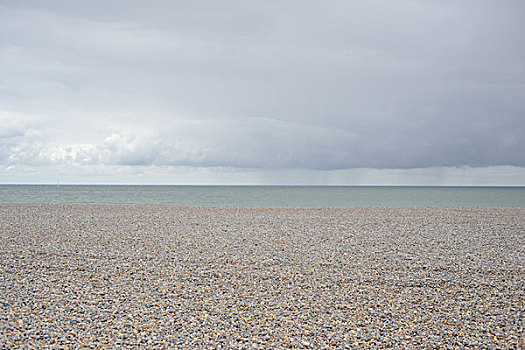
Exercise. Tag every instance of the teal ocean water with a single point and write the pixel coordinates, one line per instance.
(268, 196)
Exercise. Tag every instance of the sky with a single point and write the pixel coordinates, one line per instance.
(364, 92)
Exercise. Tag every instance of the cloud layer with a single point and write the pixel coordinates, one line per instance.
(274, 85)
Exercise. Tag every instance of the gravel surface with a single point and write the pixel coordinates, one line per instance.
(75, 276)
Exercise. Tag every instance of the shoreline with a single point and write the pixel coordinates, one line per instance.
(184, 277)
(175, 206)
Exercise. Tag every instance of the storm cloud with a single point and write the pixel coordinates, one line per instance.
(293, 85)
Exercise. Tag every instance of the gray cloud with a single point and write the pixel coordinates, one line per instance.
(273, 144)
(272, 85)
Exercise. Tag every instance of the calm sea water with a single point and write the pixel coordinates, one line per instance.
(268, 196)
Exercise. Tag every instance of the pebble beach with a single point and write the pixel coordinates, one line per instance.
(160, 277)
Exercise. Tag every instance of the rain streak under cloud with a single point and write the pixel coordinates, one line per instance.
(258, 91)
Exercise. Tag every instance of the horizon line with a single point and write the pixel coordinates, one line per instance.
(252, 185)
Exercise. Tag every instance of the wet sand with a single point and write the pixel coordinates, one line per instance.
(74, 276)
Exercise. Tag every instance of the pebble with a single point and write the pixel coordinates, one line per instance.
(133, 277)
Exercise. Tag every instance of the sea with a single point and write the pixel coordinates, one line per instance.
(267, 196)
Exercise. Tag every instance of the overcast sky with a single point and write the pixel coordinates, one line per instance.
(304, 92)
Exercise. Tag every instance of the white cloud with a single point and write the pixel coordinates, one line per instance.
(297, 86)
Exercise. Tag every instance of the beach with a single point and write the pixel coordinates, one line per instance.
(101, 276)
